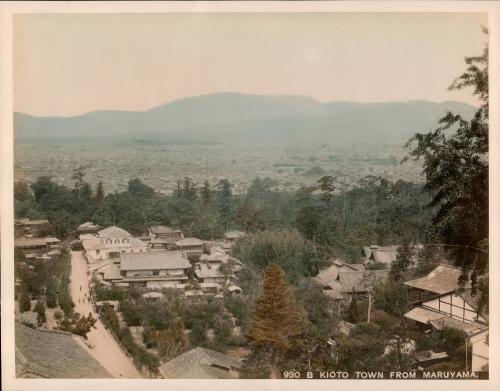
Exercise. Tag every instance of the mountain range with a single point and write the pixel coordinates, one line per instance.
(233, 117)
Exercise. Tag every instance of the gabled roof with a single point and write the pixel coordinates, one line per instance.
(114, 232)
(53, 354)
(443, 279)
(134, 242)
(359, 281)
(189, 242)
(163, 229)
(201, 363)
(326, 276)
(158, 260)
(111, 271)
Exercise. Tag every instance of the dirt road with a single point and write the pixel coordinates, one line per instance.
(105, 348)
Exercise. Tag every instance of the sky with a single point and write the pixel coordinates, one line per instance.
(70, 64)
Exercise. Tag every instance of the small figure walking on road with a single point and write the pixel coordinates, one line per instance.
(80, 288)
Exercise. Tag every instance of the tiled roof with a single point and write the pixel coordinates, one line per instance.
(423, 315)
(201, 363)
(34, 242)
(92, 244)
(162, 229)
(360, 281)
(326, 276)
(469, 328)
(51, 354)
(189, 242)
(114, 232)
(443, 279)
(159, 260)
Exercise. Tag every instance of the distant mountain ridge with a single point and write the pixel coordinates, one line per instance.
(233, 117)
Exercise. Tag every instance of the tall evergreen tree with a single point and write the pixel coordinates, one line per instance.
(327, 188)
(225, 200)
(24, 300)
(99, 194)
(206, 193)
(276, 318)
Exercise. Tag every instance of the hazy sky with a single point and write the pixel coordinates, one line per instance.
(72, 64)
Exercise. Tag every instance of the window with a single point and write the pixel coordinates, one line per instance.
(124, 240)
(156, 272)
(109, 241)
(97, 252)
(117, 241)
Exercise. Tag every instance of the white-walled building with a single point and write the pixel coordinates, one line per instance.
(156, 270)
(439, 303)
(110, 243)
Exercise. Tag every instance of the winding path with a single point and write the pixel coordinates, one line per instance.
(105, 349)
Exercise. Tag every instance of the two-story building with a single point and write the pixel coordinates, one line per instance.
(190, 246)
(156, 270)
(29, 228)
(438, 302)
(164, 232)
(110, 243)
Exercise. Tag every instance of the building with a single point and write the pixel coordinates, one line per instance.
(27, 227)
(110, 243)
(442, 280)
(230, 238)
(218, 256)
(88, 228)
(53, 355)
(339, 283)
(438, 302)
(330, 274)
(201, 363)
(166, 233)
(380, 254)
(190, 246)
(210, 278)
(159, 269)
(39, 248)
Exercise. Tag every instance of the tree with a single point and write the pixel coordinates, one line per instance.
(353, 314)
(276, 317)
(297, 257)
(456, 171)
(24, 300)
(225, 198)
(326, 187)
(249, 218)
(169, 342)
(391, 297)
(21, 191)
(40, 310)
(99, 194)
(206, 193)
(404, 258)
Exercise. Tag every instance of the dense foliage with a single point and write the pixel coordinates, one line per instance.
(455, 158)
(376, 211)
